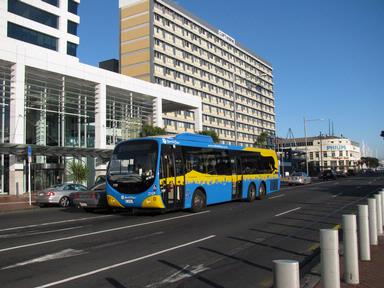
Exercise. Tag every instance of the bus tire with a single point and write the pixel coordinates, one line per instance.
(199, 201)
(262, 191)
(251, 195)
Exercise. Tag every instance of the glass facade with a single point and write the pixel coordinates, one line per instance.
(71, 49)
(31, 36)
(33, 13)
(5, 87)
(60, 110)
(72, 6)
(72, 27)
(125, 115)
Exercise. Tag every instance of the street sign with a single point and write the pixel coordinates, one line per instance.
(29, 151)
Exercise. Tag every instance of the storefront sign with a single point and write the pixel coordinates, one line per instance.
(226, 37)
(336, 147)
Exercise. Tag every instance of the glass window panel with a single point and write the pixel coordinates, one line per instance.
(33, 37)
(27, 11)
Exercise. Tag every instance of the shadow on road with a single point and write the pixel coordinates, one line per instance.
(191, 274)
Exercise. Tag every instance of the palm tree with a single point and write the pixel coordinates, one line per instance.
(78, 170)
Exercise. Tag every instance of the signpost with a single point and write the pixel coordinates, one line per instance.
(29, 174)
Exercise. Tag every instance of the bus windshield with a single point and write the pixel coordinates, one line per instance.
(134, 163)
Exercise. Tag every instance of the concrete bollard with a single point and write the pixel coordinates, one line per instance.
(382, 204)
(365, 249)
(372, 221)
(379, 217)
(329, 247)
(286, 274)
(351, 258)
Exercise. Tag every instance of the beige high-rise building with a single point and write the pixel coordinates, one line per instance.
(163, 43)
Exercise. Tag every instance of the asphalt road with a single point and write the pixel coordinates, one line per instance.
(229, 245)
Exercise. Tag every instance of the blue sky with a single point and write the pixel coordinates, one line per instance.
(327, 56)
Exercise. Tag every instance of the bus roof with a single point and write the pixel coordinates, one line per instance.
(198, 140)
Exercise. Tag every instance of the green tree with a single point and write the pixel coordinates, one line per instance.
(262, 140)
(149, 130)
(78, 171)
(371, 162)
(211, 133)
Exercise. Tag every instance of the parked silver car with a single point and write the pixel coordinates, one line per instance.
(58, 194)
(298, 178)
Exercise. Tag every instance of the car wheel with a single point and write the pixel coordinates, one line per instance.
(262, 191)
(199, 201)
(42, 205)
(64, 201)
(251, 195)
(89, 210)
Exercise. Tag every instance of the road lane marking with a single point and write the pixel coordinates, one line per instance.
(334, 196)
(278, 196)
(124, 263)
(49, 257)
(15, 203)
(52, 223)
(186, 272)
(32, 233)
(286, 212)
(100, 232)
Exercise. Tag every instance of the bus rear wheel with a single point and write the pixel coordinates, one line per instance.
(262, 191)
(251, 196)
(199, 202)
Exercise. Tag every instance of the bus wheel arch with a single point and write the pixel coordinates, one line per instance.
(199, 200)
(251, 194)
(262, 191)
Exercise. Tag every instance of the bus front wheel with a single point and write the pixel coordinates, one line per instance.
(262, 191)
(199, 202)
(251, 196)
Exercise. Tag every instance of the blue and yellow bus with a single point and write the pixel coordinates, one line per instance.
(187, 171)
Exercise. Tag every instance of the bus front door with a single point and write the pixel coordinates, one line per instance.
(172, 177)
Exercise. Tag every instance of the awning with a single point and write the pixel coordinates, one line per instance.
(39, 150)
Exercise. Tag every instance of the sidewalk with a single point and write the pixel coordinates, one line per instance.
(14, 203)
(371, 272)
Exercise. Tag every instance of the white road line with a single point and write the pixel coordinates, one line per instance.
(286, 212)
(99, 232)
(334, 196)
(278, 196)
(53, 223)
(32, 233)
(123, 263)
(49, 257)
(14, 203)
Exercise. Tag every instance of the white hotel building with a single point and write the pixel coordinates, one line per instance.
(61, 107)
(326, 152)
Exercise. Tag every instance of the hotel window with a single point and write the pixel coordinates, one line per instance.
(31, 36)
(32, 13)
(71, 49)
(325, 154)
(340, 153)
(311, 155)
(52, 2)
(72, 6)
(72, 28)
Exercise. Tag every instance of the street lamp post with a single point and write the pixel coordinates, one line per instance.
(306, 142)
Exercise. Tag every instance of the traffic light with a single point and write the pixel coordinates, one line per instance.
(382, 134)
